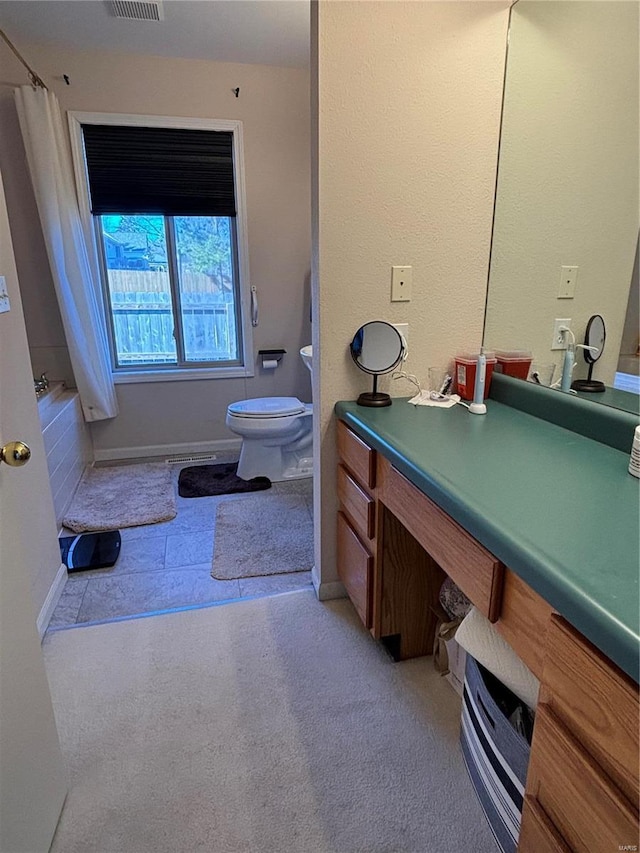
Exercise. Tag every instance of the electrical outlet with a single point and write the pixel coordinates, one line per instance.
(403, 328)
(401, 284)
(559, 339)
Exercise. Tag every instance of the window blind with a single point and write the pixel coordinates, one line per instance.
(169, 171)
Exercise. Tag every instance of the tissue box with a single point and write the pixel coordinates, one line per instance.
(496, 755)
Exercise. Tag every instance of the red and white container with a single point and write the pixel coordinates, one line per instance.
(466, 363)
(515, 362)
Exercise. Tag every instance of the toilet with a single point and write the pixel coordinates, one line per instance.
(277, 438)
(277, 441)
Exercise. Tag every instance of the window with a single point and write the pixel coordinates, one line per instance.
(171, 289)
(166, 205)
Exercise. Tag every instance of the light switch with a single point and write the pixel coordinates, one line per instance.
(401, 284)
(4, 296)
(568, 280)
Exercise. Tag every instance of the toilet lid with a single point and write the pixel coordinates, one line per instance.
(269, 407)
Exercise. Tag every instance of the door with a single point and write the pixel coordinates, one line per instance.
(32, 783)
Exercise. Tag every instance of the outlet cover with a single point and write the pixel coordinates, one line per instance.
(568, 281)
(401, 284)
(559, 340)
(403, 328)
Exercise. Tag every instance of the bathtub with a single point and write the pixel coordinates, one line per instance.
(67, 443)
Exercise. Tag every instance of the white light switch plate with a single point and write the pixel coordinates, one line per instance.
(4, 296)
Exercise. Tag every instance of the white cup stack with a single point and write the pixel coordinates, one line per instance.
(634, 461)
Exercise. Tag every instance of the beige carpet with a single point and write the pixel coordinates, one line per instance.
(268, 533)
(119, 496)
(275, 725)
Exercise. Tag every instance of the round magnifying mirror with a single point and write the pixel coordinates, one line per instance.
(594, 336)
(376, 348)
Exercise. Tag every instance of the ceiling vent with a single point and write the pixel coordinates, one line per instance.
(138, 10)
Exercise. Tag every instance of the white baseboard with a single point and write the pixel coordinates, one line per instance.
(327, 591)
(50, 602)
(190, 448)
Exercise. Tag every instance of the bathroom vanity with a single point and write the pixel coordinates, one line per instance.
(538, 525)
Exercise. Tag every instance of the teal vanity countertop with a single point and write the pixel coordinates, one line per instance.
(614, 397)
(557, 508)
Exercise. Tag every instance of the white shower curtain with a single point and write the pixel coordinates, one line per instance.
(71, 256)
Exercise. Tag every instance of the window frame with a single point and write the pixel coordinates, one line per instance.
(158, 372)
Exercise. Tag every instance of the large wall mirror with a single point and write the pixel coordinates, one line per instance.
(567, 191)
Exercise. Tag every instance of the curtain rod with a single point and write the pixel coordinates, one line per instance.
(35, 79)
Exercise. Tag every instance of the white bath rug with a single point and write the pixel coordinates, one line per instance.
(267, 533)
(122, 496)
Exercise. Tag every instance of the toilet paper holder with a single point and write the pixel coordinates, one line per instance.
(270, 358)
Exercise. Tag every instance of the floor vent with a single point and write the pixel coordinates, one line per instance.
(138, 10)
(180, 460)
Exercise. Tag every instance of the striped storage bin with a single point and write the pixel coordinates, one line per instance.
(496, 755)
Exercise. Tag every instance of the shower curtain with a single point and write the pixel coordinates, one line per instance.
(71, 252)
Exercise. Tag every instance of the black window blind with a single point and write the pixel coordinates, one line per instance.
(170, 171)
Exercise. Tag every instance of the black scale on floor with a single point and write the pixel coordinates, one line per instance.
(90, 550)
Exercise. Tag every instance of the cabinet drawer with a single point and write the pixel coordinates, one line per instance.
(357, 504)
(524, 620)
(587, 809)
(477, 572)
(595, 701)
(355, 568)
(359, 458)
(537, 833)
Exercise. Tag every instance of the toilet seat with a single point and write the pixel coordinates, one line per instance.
(267, 407)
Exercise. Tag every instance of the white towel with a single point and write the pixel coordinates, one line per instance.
(481, 640)
(423, 399)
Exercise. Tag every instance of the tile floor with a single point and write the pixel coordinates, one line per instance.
(163, 566)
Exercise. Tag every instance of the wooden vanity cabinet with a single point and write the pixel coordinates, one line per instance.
(474, 569)
(583, 774)
(524, 621)
(356, 539)
(395, 547)
(355, 568)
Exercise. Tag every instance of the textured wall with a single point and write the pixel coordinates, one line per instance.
(274, 108)
(568, 183)
(409, 99)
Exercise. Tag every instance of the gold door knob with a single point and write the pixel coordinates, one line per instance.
(15, 453)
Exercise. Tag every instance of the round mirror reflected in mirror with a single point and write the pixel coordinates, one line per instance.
(594, 336)
(376, 348)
